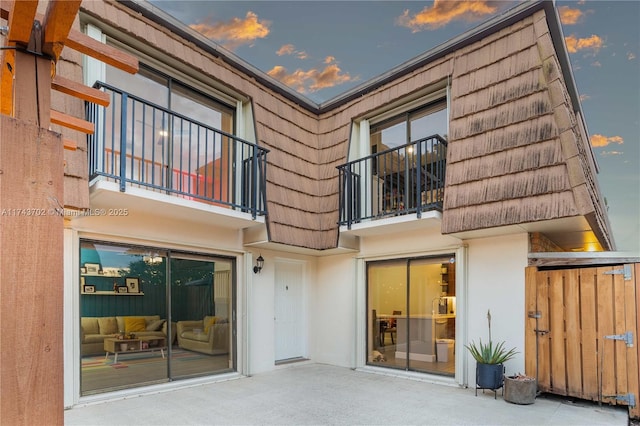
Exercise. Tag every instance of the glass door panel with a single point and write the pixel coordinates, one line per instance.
(411, 314)
(427, 323)
(123, 312)
(387, 301)
(201, 309)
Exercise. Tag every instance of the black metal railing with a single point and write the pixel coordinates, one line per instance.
(402, 180)
(139, 143)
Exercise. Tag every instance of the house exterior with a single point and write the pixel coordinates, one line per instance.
(390, 219)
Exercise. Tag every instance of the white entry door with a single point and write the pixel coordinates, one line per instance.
(289, 309)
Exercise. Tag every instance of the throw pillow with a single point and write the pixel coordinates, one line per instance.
(155, 325)
(211, 321)
(108, 325)
(133, 324)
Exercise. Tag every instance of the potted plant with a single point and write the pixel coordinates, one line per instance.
(490, 359)
(520, 389)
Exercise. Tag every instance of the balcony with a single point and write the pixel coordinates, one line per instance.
(142, 145)
(405, 180)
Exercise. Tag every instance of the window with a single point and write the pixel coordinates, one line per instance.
(398, 160)
(411, 314)
(409, 127)
(125, 314)
(174, 131)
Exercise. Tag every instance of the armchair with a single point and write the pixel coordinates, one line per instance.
(209, 335)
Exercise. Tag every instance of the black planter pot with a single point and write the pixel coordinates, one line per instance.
(489, 376)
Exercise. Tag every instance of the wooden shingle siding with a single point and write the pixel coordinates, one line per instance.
(507, 162)
(491, 215)
(519, 185)
(517, 152)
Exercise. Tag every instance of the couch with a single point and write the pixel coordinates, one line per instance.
(209, 335)
(95, 329)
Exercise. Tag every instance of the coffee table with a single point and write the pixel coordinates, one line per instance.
(139, 344)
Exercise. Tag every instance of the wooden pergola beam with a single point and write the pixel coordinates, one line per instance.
(71, 122)
(70, 87)
(57, 24)
(102, 52)
(20, 16)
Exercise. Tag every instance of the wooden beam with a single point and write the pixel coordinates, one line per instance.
(20, 16)
(70, 87)
(69, 144)
(57, 24)
(102, 52)
(71, 122)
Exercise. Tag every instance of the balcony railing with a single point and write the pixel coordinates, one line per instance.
(402, 180)
(139, 143)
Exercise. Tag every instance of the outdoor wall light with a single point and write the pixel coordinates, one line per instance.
(259, 265)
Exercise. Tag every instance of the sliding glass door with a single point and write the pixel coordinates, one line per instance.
(411, 314)
(150, 315)
(201, 307)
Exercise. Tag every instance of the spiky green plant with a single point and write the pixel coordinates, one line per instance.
(490, 353)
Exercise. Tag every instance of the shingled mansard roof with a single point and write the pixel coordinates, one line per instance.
(518, 155)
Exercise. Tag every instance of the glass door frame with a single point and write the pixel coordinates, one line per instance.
(364, 324)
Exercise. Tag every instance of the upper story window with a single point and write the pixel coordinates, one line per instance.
(410, 127)
(397, 160)
(171, 129)
(165, 91)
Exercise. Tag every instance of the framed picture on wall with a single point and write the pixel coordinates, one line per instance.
(88, 288)
(133, 284)
(92, 268)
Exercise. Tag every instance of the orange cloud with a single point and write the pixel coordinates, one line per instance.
(598, 141)
(574, 44)
(569, 16)
(311, 80)
(289, 49)
(286, 49)
(444, 11)
(235, 32)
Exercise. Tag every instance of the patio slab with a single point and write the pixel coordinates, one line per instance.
(317, 394)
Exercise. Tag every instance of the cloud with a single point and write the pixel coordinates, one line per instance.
(598, 141)
(289, 49)
(611, 153)
(584, 97)
(575, 44)
(569, 16)
(444, 11)
(314, 79)
(286, 49)
(234, 32)
(631, 56)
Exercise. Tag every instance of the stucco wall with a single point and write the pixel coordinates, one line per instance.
(496, 282)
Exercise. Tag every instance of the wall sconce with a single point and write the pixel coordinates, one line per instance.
(259, 265)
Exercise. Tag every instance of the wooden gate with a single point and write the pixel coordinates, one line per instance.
(581, 333)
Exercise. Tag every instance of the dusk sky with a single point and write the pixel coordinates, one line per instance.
(322, 49)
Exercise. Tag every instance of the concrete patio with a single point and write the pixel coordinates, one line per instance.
(316, 394)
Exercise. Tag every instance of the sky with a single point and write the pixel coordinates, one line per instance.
(323, 48)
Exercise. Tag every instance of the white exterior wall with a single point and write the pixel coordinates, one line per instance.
(495, 282)
(490, 275)
(261, 314)
(333, 315)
